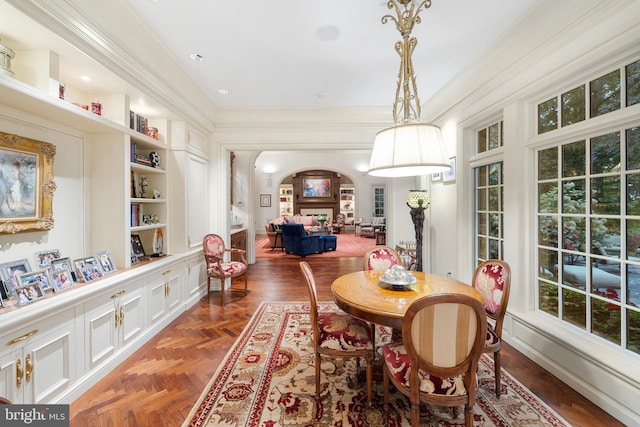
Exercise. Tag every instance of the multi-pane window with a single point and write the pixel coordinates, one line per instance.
(589, 234)
(378, 202)
(489, 216)
(588, 212)
(489, 192)
(605, 96)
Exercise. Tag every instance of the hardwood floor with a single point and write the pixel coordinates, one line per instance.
(159, 384)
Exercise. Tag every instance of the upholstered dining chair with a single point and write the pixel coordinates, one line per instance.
(437, 359)
(338, 335)
(493, 279)
(219, 268)
(4, 401)
(381, 257)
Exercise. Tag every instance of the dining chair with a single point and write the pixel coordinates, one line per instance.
(493, 279)
(437, 359)
(218, 268)
(4, 401)
(338, 335)
(381, 257)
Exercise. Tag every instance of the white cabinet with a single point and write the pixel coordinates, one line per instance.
(165, 292)
(38, 362)
(111, 322)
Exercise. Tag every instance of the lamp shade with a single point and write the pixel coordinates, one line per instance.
(408, 150)
(418, 198)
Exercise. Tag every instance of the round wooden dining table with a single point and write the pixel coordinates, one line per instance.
(364, 295)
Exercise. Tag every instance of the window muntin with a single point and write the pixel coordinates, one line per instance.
(490, 138)
(632, 71)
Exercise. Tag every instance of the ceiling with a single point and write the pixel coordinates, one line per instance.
(306, 53)
(291, 53)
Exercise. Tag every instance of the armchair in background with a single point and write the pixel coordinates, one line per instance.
(368, 229)
(338, 225)
(297, 241)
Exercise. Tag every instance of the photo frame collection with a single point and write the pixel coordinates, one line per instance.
(53, 274)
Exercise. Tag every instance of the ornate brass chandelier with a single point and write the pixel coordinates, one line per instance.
(409, 148)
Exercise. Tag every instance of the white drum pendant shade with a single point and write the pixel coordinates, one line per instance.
(408, 150)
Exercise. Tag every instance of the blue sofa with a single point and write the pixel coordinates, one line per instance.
(297, 241)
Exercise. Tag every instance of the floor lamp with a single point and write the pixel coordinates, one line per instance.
(418, 202)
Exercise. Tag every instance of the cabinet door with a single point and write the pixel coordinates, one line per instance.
(165, 293)
(50, 365)
(101, 337)
(132, 322)
(12, 365)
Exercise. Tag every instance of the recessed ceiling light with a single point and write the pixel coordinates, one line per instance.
(223, 91)
(85, 78)
(321, 94)
(196, 57)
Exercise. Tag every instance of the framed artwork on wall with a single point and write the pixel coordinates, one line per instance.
(316, 187)
(26, 184)
(450, 175)
(265, 200)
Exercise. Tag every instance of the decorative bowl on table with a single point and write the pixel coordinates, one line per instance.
(397, 277)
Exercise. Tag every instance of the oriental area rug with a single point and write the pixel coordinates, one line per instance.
(267, 379)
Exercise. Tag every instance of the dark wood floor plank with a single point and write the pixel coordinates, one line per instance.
(159, 384)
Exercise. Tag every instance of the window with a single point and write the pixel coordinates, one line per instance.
(378, 202)
(605, 96)
(589, 234)
(489, 194)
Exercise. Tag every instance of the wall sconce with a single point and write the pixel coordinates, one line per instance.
(418, 202)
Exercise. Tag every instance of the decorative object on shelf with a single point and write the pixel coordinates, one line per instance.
(152, 132)
(418, 202)
(10, 272)
(62, 265)
(142, 186)
(106, 262)
(96, 108)
(6, 55)
(83, 106)
(45, 258)
(29, 293)
(137, 250)
(26, 184)
(157, 194)
(265, 200)
(154, 158)
(158, 243)
(408, 148)
(88, 269)
(61, 90)
(39, 278)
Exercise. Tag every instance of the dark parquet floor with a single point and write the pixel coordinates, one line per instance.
(159, 384)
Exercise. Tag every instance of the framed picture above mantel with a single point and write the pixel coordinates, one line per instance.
(316, 187)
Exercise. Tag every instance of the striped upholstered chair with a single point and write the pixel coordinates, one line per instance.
(424, 367)
(493, 279)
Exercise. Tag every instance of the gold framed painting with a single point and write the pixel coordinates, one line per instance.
(26, 184)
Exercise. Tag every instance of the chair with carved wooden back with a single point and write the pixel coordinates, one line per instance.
(338, 224)
(493, 279)
(218, 268)
(437, 359)
(338, 335)
(381, 257)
